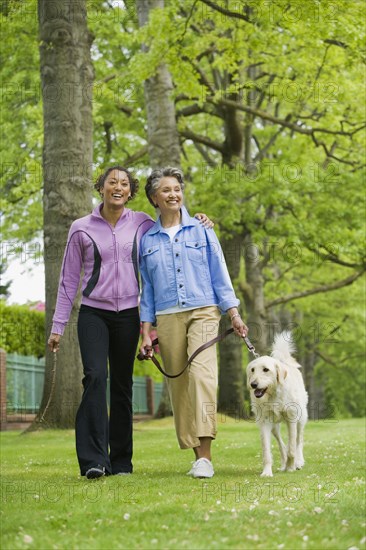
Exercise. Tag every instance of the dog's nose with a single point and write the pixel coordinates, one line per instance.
(254, 385)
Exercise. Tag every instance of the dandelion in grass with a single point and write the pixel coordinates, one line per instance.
(253, 537)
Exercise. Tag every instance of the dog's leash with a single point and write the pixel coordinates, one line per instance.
(218, 338)
(53, 383)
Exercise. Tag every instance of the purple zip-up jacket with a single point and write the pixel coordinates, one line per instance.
(108, 257)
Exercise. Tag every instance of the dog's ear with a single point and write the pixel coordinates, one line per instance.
(281, 373)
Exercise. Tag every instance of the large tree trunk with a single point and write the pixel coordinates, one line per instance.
(67, 79)
(254, 297)
(231, 377)
(238, 149)
(163, 138)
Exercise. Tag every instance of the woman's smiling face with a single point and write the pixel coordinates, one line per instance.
(169, 195)
(116, 189)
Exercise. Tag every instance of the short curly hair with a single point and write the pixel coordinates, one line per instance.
(134, 182)
(153, 181)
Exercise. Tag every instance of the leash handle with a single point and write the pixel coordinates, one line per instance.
(215, 340)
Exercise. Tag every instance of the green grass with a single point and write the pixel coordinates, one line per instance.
(45, 504)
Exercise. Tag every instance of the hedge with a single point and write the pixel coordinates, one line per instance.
(22, 330)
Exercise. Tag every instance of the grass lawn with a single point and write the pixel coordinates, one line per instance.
(46, 504)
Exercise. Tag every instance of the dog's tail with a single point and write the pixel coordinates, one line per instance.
(283, 347)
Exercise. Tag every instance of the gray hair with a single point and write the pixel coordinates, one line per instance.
(153, 181)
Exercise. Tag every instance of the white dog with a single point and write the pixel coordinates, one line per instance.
(278, 393)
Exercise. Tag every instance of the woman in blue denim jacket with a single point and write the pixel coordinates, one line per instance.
(186, 287)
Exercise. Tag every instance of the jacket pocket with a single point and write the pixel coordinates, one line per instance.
(151, 256)
(196, 251)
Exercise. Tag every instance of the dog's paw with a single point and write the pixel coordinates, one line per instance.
(267, 472)
(290, 464)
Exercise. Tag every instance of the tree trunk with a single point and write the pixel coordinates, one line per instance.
(308, 358)
(163, 138)
(231, 376)
(254, 297)
(67, 79)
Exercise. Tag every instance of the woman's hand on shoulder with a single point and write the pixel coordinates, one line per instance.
(204, 220)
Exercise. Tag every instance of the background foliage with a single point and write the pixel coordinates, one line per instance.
(22, 330)
(290, 68)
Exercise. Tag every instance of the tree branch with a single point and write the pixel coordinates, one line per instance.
(129, 161)
(282, 122)
(335, 43)
(331, 256)
(107, 78)
(203, 78)
(323, 288)
(195, 109)
(210, 161)
(347, 360)
(107, 129)
(263, 151)
(197, 138)
(224, 11)
(125, 109)
(328, 152)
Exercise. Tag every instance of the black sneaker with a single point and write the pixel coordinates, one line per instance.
(94, 473)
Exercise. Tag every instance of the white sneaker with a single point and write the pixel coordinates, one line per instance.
(190, 473)
(202, 468)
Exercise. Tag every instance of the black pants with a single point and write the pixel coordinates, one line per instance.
(106, 335)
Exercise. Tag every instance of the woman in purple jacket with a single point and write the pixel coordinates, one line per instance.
(104, 246)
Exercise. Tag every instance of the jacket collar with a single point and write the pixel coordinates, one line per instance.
(186, 222)
(97, 214)
(96, 211)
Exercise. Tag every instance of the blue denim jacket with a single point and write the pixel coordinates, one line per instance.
(189, 272)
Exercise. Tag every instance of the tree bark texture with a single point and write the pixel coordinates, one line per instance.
(231, 375)
(163, 139)
(237, 150)
(254, 297)
(67, 80)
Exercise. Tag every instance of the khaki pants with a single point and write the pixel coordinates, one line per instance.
(194, 394)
